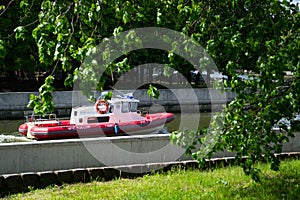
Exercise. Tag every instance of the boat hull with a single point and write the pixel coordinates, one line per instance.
(63, 129)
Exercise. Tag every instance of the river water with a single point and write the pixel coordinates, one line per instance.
(9, 131)
(9, 128)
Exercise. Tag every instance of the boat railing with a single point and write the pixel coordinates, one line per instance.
(31, 117)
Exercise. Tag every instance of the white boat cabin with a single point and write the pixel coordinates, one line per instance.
(115, 110)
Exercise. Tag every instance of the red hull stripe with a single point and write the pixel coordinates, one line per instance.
(36, 133)
(65, 130)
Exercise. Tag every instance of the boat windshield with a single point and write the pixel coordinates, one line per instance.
(129, 107)
(125, 107)
(134, 106)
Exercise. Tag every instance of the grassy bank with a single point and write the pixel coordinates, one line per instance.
(222, 183)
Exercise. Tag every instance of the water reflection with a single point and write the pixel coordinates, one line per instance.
(189, 117)
(10, 127)
(9, 131)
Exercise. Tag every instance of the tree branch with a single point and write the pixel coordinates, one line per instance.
(6, 7)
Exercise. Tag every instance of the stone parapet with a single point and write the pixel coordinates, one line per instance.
(13, 105)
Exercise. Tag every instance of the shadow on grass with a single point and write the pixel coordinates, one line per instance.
(284, 184)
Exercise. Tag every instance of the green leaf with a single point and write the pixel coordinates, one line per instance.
(20, 32)
(153, 92)
(108, 96)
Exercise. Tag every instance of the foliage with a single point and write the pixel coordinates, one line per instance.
(153, 92)
(108, 96)
(43, 103)
(18, 51)
(262, 37)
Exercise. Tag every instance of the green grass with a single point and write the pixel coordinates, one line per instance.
(222, 183)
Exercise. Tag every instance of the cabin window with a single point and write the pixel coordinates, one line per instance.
(125, 107)
(97, 119)
(111, 109)
(134, 106)
(75, 113)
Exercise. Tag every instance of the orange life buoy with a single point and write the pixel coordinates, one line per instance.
(98, 103)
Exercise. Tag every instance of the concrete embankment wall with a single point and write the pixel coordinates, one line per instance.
(97, 152)
(87, 152)
(14, 104)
